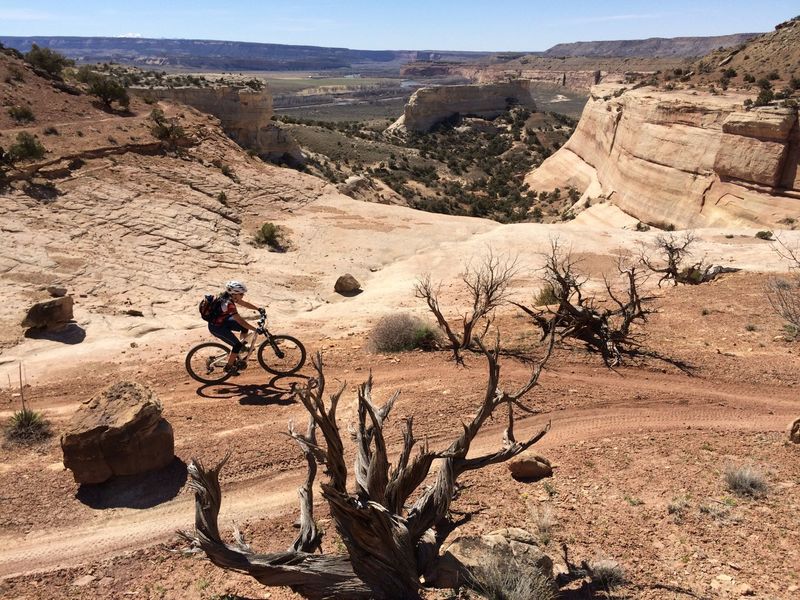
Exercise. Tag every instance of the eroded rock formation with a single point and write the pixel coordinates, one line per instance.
(120, 431)
(244, 114)
(432, 105)
(681, 158)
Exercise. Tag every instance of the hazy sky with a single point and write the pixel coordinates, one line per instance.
(410, 24)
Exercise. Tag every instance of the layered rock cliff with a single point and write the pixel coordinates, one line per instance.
(681, 158)
(245, 115)
(429, 106)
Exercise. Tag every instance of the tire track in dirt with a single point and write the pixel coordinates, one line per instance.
(270, 495)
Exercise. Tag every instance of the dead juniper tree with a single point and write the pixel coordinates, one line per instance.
(605, 327)
(783, 293)
(487, 282)
(392, 540)
(672, 250)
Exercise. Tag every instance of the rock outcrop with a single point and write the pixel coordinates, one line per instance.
(50, 314)
(680, 158)
(529, 466)
(245, 115)
(118, 432)
(794, 431)
(513, 547)
(431, 105)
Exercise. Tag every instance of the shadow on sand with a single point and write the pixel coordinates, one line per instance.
(136, 491)
(277, 391)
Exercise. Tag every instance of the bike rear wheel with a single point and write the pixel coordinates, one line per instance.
(206, 362)
(294, 355)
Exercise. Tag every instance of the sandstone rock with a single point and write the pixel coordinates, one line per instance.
(83, 581)
(120, 431)
(347, 284)
(50, 314)
(245, 115)
(794, 432)
(766, 123)
(505, 546)
(674, 158)
(530, 466)
(429, 106)
(57, 291)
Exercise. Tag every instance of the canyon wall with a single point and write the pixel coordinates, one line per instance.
(432, 105)
(681, 158)
(245, 115)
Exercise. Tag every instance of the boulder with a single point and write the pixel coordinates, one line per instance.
(505, 546)
(794, 431)
(347, 284)
(530, 466)
(57, 291)
(50, 314)
(120, 431)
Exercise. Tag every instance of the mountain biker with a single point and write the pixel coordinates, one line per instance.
(227, 321)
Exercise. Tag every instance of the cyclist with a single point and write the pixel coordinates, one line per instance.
(227, 321)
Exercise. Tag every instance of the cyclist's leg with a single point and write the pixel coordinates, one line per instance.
(225, 332)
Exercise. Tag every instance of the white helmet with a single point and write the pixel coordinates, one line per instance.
(235, 287)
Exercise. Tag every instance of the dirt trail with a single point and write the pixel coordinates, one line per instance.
(264, 495)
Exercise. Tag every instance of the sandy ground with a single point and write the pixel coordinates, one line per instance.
(627, 444)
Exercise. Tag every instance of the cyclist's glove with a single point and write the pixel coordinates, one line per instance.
(262, 312)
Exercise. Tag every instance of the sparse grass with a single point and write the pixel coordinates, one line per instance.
(745, 480)
(549, 488)
(27, 426)
(634, 501)
(222, 198)
(545, 521)
(750, 327)
(51, 131)
(677, 508)
(506, 580)
(401, 332)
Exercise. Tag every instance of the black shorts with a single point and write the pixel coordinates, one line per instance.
(225, 332)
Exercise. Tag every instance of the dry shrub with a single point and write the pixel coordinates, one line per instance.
(402, 331)
(745, 481)
(506, 580)
(607, 573)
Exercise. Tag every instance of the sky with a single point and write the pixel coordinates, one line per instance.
(480, 25)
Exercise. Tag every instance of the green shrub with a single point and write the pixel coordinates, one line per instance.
(269, 234)
(27, 426)
(222, 198)
(401, 332)
(109, 90)
(748, 78)
(764, 98)
(546, 296)
(27, 147)
(49, 61)
(764, 235)
(165, 129)
(21, 114)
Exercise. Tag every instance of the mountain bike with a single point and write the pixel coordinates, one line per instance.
(277, 354)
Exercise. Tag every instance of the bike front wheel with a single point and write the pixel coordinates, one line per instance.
(282, 355)
(206, 362)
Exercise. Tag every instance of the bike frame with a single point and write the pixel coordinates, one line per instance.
(251, 339)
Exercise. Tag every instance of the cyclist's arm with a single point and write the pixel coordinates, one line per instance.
(246, 304)
(243, 322)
